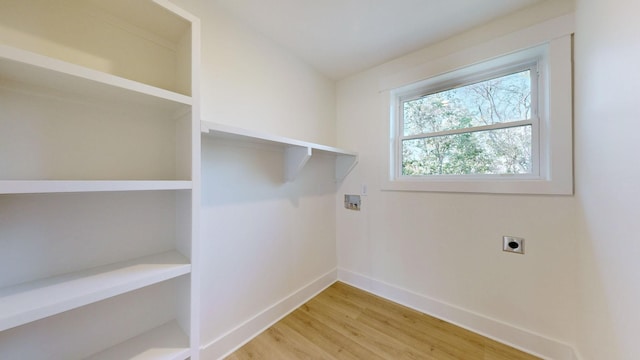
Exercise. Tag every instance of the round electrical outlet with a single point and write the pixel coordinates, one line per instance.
(513, 244)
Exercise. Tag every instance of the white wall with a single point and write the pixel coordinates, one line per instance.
(262, 240)
(446, 248)
(251, 82)
(607, 174)
(441, 246)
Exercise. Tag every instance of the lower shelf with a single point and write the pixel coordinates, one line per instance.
(166, 342)
(62, 186)
(36, 300)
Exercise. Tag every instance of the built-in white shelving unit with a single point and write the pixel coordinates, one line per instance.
(98, 98)
(296, 152)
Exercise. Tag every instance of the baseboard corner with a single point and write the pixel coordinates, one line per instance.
(516, 337)
(229, 342)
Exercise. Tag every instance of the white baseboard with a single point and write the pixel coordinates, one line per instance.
(243, 333)
(521, 339)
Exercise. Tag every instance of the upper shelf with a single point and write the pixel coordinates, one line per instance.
(144, 41)
(34, 72)
(296, 152)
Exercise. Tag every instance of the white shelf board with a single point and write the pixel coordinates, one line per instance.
(154, 21)
(34, 72)
(297, 152)
(36, 300)
(70, 186)
(231, 132)
(166, 342)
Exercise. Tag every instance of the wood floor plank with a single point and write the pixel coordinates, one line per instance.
(377, 341)
(341, 347)
(373, 330)
(411, 323)
(346, 323)
(257, 349)
(293, 345)
(407, 325)
(437, 347)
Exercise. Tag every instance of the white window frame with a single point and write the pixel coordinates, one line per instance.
(427, 89)
(552, 137)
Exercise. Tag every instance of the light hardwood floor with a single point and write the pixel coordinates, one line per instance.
(343, 322)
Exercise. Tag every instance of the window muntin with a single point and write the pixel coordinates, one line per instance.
(483, 127)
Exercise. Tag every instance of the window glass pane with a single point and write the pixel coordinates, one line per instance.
(499, 100)
(501, 151)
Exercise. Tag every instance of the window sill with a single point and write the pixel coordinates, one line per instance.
(491, 186)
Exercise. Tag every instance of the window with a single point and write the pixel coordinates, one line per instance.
(481, 127)
(498, 126)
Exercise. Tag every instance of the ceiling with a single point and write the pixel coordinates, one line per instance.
(341, 37)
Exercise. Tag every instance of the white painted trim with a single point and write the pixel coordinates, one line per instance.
(523, 39)
(555, 110)
(500, 331)
(167, 4)
(243, 333)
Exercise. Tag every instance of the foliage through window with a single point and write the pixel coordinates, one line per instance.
(482, 127)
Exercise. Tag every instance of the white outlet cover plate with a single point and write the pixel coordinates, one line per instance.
(507, 242)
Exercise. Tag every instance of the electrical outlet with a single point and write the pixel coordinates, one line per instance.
(513, 244)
